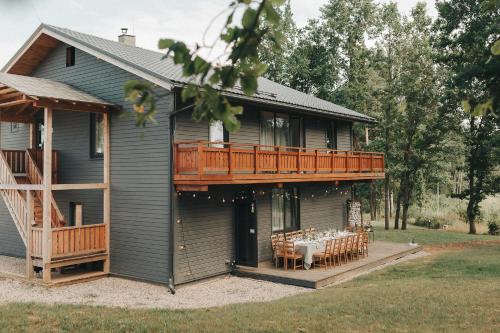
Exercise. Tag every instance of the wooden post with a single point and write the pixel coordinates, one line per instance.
(29, 241)
(278, 161)
(316, 161)
(333, 161)
(299, 166)
(107, 190)
(78, 215)
(47, 194)
(200, 159)
(256, 158)
(32, 136)
(230, 159)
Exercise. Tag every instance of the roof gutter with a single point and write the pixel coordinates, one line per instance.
(255, 99)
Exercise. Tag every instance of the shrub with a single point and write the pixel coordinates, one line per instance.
(431, 222)
(493, 228)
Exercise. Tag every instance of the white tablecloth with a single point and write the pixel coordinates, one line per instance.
(308, 248)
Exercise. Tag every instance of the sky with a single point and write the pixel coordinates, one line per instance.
(149, 20)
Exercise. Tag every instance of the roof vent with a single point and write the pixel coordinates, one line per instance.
(125, 38)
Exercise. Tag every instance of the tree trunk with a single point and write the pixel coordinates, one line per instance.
(391, 202)
(398, 208)
(406, 203)
(386, 201)
(373, 201)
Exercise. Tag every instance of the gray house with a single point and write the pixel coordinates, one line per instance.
(175, 202)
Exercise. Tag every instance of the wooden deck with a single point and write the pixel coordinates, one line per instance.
(199, 164)
(380, 253)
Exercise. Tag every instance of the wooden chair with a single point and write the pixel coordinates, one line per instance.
(348, 248)
(325, 257)
(279, 253)
(290, 254)
(365, 244)
(342, 250)
(361, 244)
(289, 235)
(336, 252)
(299, 234)
(307, 231)
(353, 252)
(313, 230)
(274, 240)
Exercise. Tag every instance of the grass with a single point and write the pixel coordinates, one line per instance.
(449, 291)
(426, 236)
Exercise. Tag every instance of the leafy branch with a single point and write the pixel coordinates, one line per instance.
(239, 70)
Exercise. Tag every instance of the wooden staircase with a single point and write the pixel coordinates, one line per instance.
(24, 167)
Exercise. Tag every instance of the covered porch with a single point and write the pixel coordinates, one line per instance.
(29, 180)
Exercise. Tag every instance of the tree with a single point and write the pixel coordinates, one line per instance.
(278, 63)
(467, 32)
(387, 63)
(241, 66)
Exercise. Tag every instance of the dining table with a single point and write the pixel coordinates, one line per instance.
(309, 246)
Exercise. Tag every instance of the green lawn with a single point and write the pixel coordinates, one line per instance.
(450, 291)
(426, 236)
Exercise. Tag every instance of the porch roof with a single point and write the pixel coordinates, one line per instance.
(21, 96)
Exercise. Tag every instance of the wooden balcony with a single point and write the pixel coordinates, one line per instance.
(198, 164)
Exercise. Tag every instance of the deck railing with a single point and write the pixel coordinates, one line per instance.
(203, 157)
(71, 241)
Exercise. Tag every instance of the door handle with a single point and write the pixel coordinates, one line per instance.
(252, 231)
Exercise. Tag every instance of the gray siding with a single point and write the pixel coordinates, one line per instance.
(315, 132)
(204, 236)
(139, 167)
(264, 226)
(344, 136)
(10, 241)
(14, 136)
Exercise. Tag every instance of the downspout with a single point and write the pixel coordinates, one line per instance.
(171, 280)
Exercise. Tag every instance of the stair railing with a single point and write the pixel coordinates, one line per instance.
(15, 202)
(35, 177)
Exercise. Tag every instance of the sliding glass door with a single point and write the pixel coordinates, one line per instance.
(278, 129)
(285, 210)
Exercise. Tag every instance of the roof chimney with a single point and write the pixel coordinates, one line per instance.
(126, 38)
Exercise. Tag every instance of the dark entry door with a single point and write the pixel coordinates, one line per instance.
(246, 231)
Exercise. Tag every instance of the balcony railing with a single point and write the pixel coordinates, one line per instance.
(203, 162)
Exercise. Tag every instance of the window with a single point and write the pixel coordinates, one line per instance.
(331, 134)
(96, 135)
(217, 133)
(285, 210)
(70, 56)
(277, 129)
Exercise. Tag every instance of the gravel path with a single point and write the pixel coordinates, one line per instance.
(117, 292)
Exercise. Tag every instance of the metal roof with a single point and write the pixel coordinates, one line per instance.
(36, 87)
(152, 66)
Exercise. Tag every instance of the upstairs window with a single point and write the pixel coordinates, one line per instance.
(331, 134)
(96, 135)
(70, 56)
(217, 133)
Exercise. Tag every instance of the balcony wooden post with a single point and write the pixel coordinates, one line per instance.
(316, 161)
(175, 159)
(278, 157)
(256, 158)
(201, 161)
(333, 161)
(230, 159)
(371, 162)
(299, 166)
(107, 190)
(47, 195)
(360, 159)
(29, 237)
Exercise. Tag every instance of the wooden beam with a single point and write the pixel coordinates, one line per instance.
(29, 240)
(10, 95)
(21, 187)
(78, 215)
(47, 196)
(107, 190)
(192, 188)
(69, 187)
(72, 105)
(14, 103)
